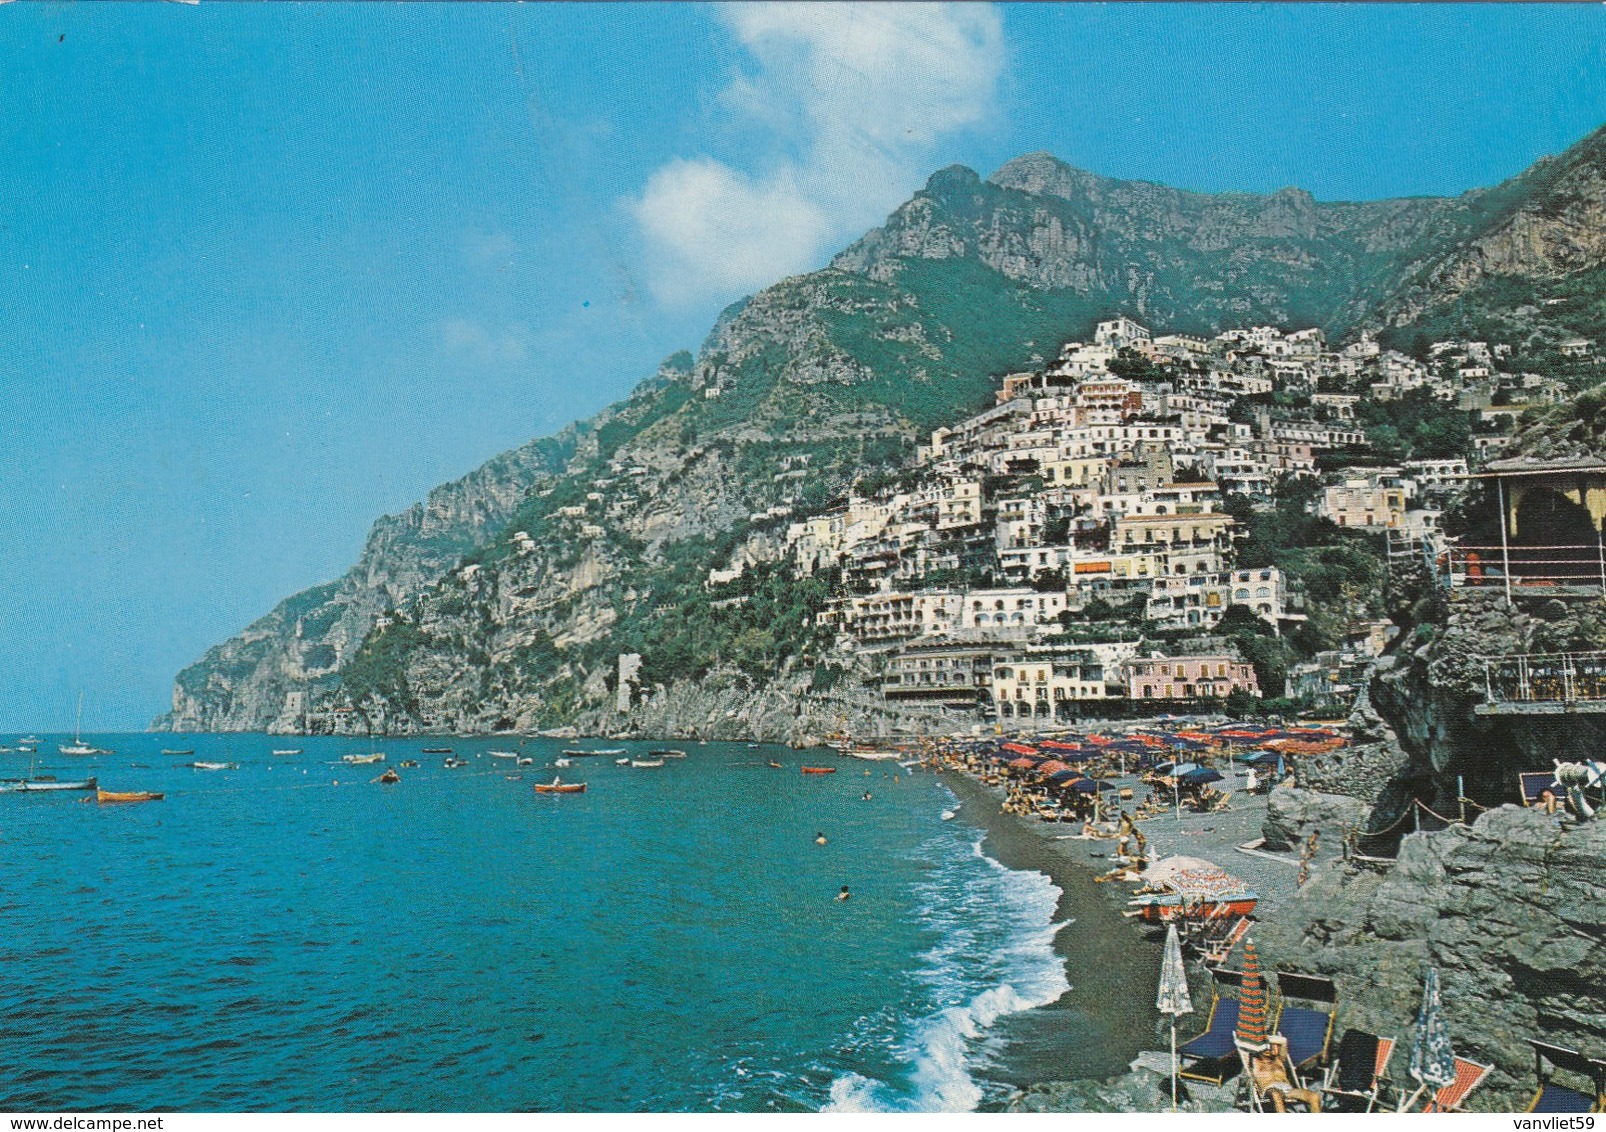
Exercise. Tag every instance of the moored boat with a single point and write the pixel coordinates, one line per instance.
(503, 754)
(215, 766)
(187, 751)
(646, 762)
(363, 760)
(453, 764)
(819, 770)
(127, 796)
(667, 753)
(287, 751)
(608, 751)
(558, 786)
(437, 750)
(389, 778)
(32, 785)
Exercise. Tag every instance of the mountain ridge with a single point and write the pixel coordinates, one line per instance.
(838, 372)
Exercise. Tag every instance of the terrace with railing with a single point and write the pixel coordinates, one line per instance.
(1544, 683)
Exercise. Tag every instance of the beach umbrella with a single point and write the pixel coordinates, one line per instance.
(1052, 767)
(1173, 997)
(1201, 776)
(1252, 1003)
(1432, 1059)
(1066, 775)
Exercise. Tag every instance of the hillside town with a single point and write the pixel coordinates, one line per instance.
(1117, 477)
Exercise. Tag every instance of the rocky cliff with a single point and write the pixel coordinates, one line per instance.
(453, 621)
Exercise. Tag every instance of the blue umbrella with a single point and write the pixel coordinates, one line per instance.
(1200, 776)
(1432, 1059)
(1064, 775)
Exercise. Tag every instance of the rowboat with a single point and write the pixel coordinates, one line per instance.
(646, 762)
(216, 766)
(558, 786)
(621, 762)
(28, 786)
(668, 753)
(562, 762)
(389, 778)
(453, 764)
(774, 765)
(289, 751)
(576, 753)
(1162, 908)
(819, 770)
(127, 796)
(191, 751)
(503, 754)
(406, 763)
(525, 761)
(363, 760)
(437, 750)
(609, 751)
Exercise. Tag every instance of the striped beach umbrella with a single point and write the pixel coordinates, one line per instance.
(1252, 1001)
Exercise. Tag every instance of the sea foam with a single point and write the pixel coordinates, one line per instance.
(994, 957)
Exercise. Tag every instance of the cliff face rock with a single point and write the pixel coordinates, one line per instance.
(1511, 911)
(1292, 815)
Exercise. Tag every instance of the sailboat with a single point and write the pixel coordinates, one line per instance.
(79, 747)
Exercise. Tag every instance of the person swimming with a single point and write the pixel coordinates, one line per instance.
(843, 895)
(819, 838)
(867, 795)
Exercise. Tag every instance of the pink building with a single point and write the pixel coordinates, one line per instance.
(1188, 677)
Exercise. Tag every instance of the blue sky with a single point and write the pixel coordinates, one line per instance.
(272, 271)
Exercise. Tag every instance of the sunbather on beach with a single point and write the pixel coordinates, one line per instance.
(1269, 1067)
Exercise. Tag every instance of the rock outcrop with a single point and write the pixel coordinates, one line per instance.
(1512, 911)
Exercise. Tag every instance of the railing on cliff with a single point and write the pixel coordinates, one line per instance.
(1544, 683)
(1570, 567)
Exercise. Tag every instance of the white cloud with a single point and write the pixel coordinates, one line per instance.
(854, 99)
(465, 338)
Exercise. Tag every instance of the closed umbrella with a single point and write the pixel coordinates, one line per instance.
(1252, 997)
(1432, 1059)
(1173, 997)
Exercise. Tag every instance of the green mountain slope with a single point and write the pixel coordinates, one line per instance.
(825, 377)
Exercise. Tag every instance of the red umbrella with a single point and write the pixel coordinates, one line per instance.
(1050, 767)
(1252, 1000)
(1023, 763)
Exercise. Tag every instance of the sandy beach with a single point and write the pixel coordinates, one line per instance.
(1107, 1020)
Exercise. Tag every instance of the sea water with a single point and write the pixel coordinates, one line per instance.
(292, 935)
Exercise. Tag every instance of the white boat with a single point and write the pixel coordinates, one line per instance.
(289, 751)
(526, 761)
(610, 751)
(79, 747)
(874, 756)
(216, 766)
(503, 754)
(562, 762)
(28, 786)
(621, 762)
(362, 760)
(646, 762)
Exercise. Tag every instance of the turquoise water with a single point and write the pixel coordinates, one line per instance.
(267, 939)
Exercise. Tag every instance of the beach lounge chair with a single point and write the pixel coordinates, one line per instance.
(1356, 1076)
(1552, 1097)
(1468, 1076)
(1212, 1056)
(1217, 949)
(1309, 1030)
(1534, 783)
(1262, 1100)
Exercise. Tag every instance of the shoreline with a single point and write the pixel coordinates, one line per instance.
(1093, 1044)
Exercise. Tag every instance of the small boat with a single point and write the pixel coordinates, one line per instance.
(752, 746)
(191, 751)
(7, 750)
(562, 762)
(667, 753)
(514, 777)
(558, 786)
(503, 754)
(127, 796)
(78, 746)
(873, 756)
(819, 770)
(453, 764)
(437, 750)
(32, 785)
(389, 778)
(621, 762)
(608, 751)
(525, 761)
(363, 760)
(286, 751)
(646, 762)
(574, 753)
(408, 763)
(774, 765)
(216, 766)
